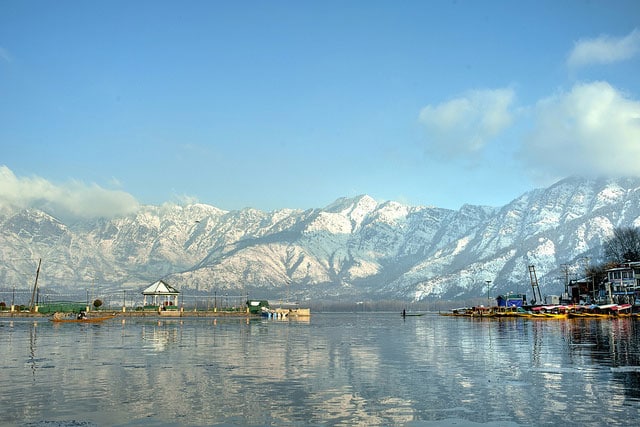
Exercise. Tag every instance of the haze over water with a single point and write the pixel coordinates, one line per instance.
(336, 369)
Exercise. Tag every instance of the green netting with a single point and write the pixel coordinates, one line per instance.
(62, 307)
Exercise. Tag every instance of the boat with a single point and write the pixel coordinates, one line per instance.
(61, 318)
(601, 311)
(479, 312)
(622, 310)
(552, 311)
(510, 311)
(589, 312)
(285, 313)
(586, 315)
(461, 311)
(557, 315)
(411, 314)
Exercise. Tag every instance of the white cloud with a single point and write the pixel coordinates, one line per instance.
(72, 200)
(591, 130)
(604, 50)
(464, 125)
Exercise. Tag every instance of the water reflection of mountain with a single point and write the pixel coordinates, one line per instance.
(612, 343)
(369, 369)
(552, 362)
(330, 375)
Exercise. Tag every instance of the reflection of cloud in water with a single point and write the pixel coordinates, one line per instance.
(457, 422)
(63, 423)
(157, 337)
(505, 356)
(366, 359)
(341, 407)
(349, 370)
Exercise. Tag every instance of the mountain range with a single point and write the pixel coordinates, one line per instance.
(354, 249)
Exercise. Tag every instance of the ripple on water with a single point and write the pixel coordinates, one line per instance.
(625, 369)
(63, 423)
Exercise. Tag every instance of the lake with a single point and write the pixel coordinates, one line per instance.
(335, 369)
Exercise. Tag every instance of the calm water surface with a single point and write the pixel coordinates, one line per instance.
(336, 369)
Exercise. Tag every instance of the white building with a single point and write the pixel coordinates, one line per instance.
(162, 294)
(623, 283)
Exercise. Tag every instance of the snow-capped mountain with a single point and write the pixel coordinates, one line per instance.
(353, 248)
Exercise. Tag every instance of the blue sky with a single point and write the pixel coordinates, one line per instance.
(105, 105)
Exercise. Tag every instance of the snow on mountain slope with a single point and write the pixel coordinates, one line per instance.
(353, 248)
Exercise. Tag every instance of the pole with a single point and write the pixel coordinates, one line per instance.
(35, 286)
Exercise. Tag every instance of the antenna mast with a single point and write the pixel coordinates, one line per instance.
(35, 287)
(534, 284)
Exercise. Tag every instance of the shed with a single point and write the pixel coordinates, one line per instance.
(161, 294)
(255, 306)
(511, 300)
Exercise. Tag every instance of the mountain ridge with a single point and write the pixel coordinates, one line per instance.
(353, 248)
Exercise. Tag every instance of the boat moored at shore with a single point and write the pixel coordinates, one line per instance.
(81, 318)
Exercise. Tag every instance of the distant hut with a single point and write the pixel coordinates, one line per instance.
(161, 294)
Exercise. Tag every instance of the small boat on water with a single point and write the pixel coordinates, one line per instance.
(411, 314)
(285, 313)
(64, 318)
(607, 311)
(601, 311)
(479, 312)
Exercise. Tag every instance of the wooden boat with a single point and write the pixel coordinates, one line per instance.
(285, 313)
(412, 314)
(589, 314)
(623, 310)
(601, 312)
(512, 311)
(557, 315)
(476, 312)
(61, 319)
(531, 315)
(552, 311)
(585, 315)
(462, 311)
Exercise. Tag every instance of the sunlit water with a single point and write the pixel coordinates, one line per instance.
(336, 369)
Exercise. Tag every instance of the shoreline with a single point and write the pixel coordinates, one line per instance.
(130, 314)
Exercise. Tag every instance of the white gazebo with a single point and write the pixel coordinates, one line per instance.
(161, 293)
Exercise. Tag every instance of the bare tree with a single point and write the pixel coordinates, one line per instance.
(624, 245)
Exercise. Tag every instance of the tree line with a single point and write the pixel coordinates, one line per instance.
(623, 246)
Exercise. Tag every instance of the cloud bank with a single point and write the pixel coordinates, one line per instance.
(604, 50)
(591, 130)
(74, 200)
(464, 125)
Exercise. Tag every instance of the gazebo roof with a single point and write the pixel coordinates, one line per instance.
(160, 288)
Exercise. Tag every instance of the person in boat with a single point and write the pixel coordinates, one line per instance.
(82, 315)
